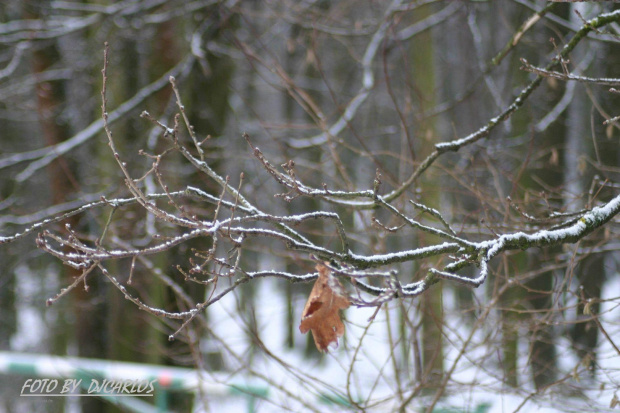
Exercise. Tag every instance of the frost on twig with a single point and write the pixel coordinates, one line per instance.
(244, 222)
(227, 221)
(567, 76)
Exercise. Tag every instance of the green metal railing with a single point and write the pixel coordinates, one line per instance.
(163, 378)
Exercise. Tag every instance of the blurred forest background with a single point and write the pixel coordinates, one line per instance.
(348, 90)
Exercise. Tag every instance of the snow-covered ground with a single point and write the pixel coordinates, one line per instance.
(363, 366)
(367, 373)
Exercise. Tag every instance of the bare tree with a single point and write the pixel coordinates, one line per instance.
(409, 149)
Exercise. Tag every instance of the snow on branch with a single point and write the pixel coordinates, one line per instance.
(246, 222)
(590, 221)
(228, 221)
(602, 81)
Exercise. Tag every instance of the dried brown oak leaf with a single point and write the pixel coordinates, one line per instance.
(321, 314)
